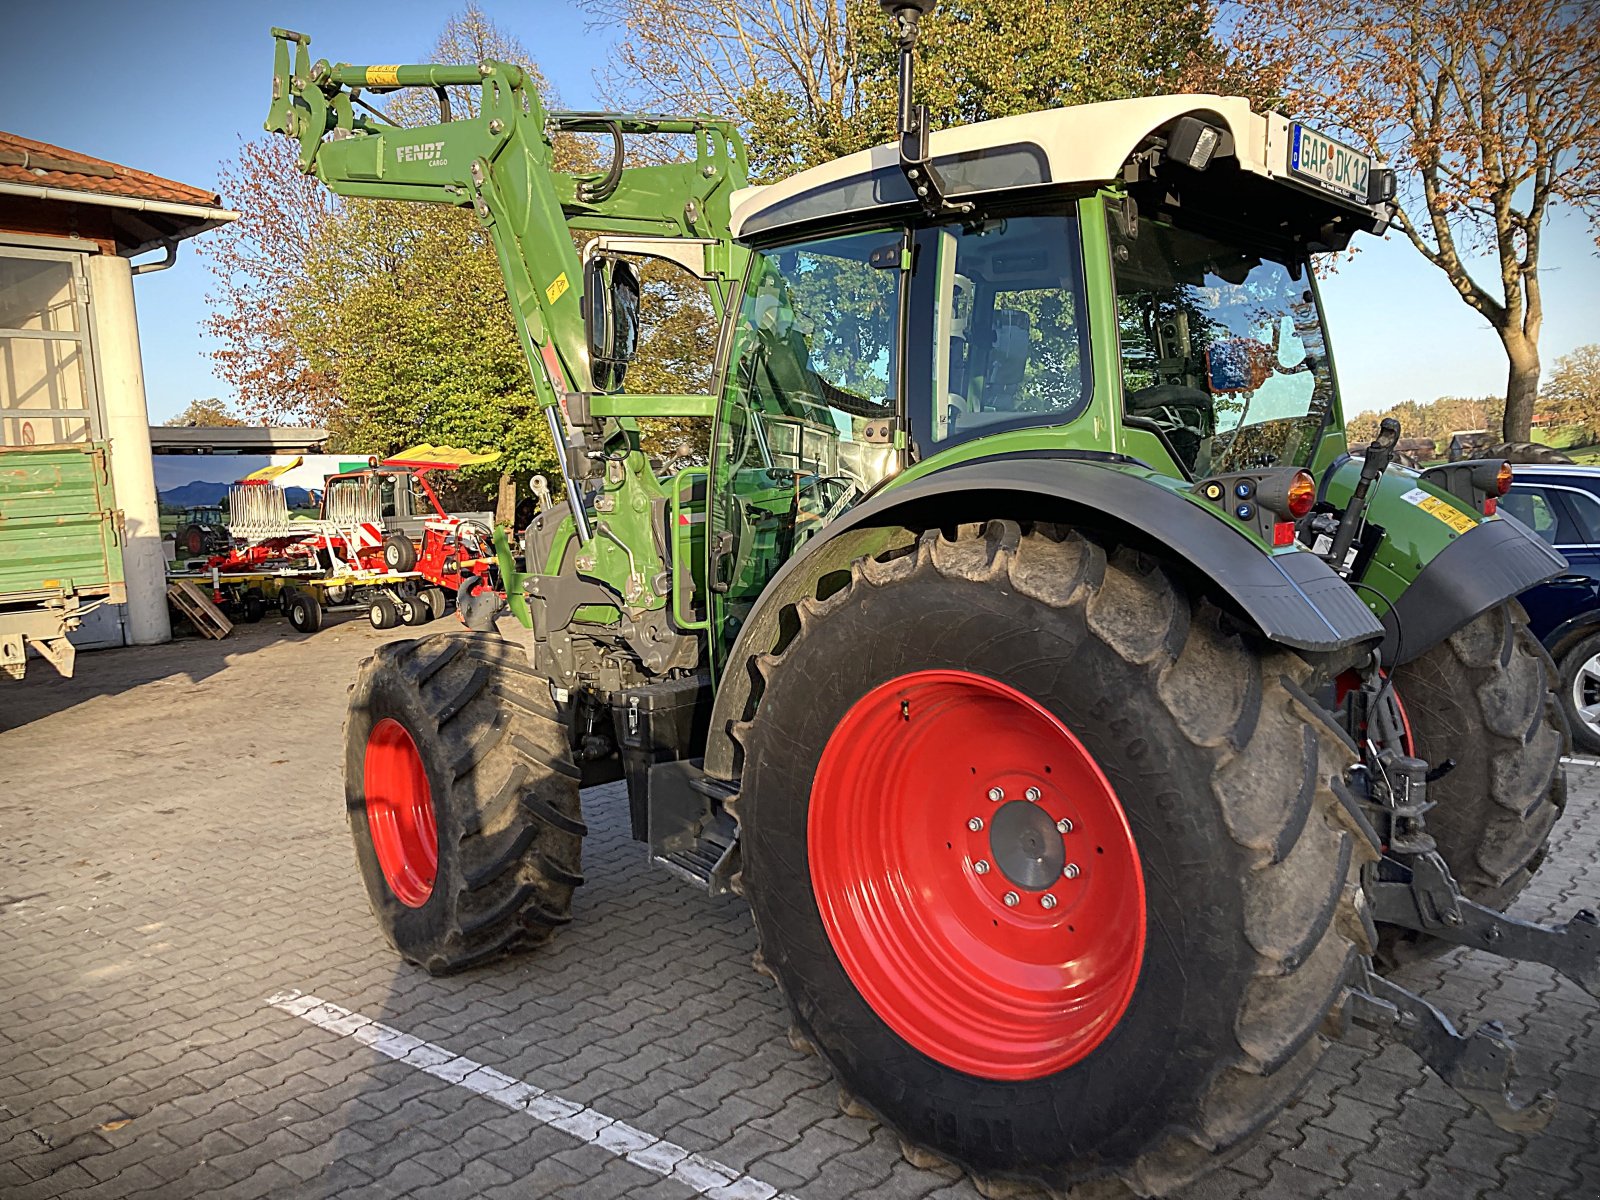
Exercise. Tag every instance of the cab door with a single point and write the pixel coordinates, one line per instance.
(809, 419)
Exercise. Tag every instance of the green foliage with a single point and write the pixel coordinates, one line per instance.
(210, 413)
(1568, 409)
(405, 306)
(1436, 419)
(1572, 393)
(978, 60)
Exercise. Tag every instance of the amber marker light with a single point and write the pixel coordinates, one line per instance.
(1502, 481)
(1302, 494)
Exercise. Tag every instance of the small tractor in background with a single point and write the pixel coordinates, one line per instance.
(202, 530)
(1088, 727)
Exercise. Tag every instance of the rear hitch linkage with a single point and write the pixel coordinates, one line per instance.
(1411, 887)
(1480, 1065)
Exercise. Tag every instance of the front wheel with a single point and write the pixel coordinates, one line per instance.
(462, 799)
(1053, 873)
(304, 613)
(1481, 702)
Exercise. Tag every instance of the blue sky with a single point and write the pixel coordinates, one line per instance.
(170, 86)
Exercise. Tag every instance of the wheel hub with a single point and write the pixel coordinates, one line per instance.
(1025, 845)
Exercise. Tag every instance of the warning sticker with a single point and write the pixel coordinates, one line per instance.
(383, 76)
(1436, 506)
(557, 288)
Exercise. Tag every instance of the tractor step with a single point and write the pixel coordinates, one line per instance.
(1481, 1065)
(691, 834)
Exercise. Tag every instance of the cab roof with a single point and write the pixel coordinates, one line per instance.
(1086, 145)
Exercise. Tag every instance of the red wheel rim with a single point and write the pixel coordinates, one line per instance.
(970, 963)
(400, 813)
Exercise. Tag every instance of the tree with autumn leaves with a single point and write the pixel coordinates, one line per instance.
(381, 323)
(1489, 110)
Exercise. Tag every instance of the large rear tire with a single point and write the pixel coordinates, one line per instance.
(462, 799)
(1216, 794)
(1482, 698)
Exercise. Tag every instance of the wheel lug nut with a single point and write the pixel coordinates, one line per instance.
(975, 824)
(1070, 870)
(1033, 795)
(981, 867)
(1012, 899)
(1047, 900)
(997, 794)
(1063, 826)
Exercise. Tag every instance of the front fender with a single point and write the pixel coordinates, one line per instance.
(1291, 597)
(1438, 564)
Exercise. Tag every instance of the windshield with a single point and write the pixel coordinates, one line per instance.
(1223, 351)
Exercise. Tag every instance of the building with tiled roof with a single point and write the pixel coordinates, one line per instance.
(70, 368)
(43, 187)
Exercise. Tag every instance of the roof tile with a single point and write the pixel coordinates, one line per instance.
(23, 160)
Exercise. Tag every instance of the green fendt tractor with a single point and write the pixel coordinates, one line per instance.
(1085, 725)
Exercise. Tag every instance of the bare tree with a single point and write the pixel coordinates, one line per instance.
(1490, 110)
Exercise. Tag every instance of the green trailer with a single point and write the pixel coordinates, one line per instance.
(60, 548)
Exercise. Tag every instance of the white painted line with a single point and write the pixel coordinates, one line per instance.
(706, 1176)
(1581, 760)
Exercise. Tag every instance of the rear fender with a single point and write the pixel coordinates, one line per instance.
(1291, 598)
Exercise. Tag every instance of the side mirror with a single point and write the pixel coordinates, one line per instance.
(611, 318)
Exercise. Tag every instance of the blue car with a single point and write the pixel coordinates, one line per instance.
(1562, 505)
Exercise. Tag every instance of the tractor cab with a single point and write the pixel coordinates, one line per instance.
(1129, 279)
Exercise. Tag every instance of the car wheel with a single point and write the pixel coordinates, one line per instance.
(1580, 692)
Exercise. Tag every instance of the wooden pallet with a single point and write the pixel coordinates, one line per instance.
(193, 603)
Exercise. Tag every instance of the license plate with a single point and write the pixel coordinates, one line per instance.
(1328, 164)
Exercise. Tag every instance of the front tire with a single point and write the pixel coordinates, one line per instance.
(1482, 698)
(304, 613)
(462, 799)
(1218, 794)
(383, 613)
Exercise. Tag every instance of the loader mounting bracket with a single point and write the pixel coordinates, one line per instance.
(1423, 896)
(1480, 1065)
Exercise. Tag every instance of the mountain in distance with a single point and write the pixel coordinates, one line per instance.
(199, 492)
(193, 494)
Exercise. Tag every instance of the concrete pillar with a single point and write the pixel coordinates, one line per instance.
(128, 426)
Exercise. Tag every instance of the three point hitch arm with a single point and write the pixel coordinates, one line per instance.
(1412, 887)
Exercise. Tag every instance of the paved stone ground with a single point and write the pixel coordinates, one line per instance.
(172, 851)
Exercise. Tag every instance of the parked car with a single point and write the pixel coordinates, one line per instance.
(1562, 505)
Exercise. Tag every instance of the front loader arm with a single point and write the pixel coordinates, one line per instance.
(500, 163)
